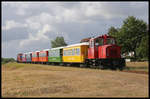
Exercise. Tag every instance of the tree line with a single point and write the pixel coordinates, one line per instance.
(132, 37)
(6, 60)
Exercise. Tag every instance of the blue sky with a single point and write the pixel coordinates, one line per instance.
(30, 26)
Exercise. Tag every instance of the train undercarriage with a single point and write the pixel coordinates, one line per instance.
(90, 63)
(106, 63)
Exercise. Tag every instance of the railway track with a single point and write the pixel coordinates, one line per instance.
(138, 72)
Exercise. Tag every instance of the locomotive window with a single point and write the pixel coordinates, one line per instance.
(99, 42)
(110, 41)
(92, 43)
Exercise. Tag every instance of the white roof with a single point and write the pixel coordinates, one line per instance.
(37, 51)
(56, 48)
(79, 44)
(45, 49)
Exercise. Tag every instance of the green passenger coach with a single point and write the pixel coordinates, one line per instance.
(55, 54)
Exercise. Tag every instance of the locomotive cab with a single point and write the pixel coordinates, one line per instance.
(104, 51)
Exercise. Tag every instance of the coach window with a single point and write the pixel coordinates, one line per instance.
(43, 54)
(64, 53)
(48, 53)
(54, 53)
(72, 51)
(78, 51)
(68, 52)
(58, 53)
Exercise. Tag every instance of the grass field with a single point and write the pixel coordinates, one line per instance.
(35, 80)
(138, 66)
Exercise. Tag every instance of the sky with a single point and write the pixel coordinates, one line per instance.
(30, 26)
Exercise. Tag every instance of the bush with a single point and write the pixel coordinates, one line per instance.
(6, 60)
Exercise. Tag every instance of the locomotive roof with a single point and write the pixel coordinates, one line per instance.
(78, 44)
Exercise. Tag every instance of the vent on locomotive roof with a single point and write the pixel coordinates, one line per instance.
(85, 40)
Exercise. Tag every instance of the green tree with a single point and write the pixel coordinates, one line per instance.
(6, 60)
(112, 31)
(143, 49)
(58, 42)
(130, 34)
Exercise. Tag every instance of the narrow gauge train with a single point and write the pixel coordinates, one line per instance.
(100, 52)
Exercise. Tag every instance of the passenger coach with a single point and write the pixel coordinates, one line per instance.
(76, 53)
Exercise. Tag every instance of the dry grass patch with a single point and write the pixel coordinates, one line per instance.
(137, 66)
(32, 80)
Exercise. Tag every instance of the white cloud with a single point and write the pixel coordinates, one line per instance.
(20, 7)
(10, 24)
(40, 36)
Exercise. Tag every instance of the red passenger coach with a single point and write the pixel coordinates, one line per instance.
(19, 57)
(43, 56)
(35, 56)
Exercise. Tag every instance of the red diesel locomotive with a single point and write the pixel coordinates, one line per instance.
(104, 53)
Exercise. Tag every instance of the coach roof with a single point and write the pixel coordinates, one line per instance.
(79, 44)
(56, 48)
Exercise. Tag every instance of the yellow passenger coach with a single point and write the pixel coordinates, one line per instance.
(76, 53)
